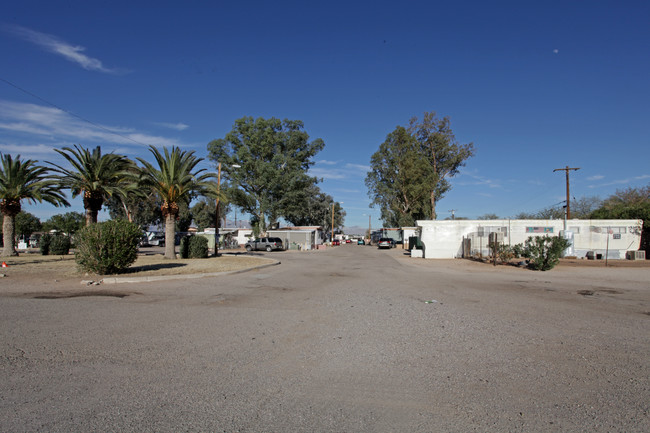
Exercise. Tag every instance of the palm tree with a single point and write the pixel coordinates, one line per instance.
(174, 181)
(23, 179)
(94, 175)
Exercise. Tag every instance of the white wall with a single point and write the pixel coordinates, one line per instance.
(444, 239)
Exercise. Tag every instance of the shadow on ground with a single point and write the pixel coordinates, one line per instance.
(153, 267)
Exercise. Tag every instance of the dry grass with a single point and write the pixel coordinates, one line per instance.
(64, 267)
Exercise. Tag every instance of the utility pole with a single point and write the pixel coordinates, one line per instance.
(568, 206)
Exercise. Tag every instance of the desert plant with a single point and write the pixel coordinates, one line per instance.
(544, 252)
(107, 248)
(59, 245)
(519, 250)
(44, 244)
(198, 247)
(19, 180)
(184, 250)
(505, 253)
(175, 179)
(95, 176)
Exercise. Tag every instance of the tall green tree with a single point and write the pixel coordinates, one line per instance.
(141, 210)
(69, 222)
(312, 207)
(204, 213)
(400, 180)
(174, 178)
(444, 154)
(26, 224)
(94, 175)
(23, 180)
(272, 158)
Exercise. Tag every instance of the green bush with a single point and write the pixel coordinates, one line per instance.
(59, 245)
(519, 251)
(44, 244)
(198, 247)
(108, 247)
(184, 250)
(544, 252)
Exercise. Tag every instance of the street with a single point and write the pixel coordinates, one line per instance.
(350, 339)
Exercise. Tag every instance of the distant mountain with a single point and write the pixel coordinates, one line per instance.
(355, 230)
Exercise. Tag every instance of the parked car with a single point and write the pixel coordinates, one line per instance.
(336, 242)
(348, 241)
(157, 240)
(385, 243)
(361, 242)
(268, 244)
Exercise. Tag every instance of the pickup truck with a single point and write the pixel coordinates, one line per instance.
(268, 244)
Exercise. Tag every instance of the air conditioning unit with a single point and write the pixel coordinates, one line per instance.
(635, 255)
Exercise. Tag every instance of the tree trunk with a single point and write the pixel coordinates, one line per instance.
(91, 217)
(8, 236)
(170, 232)
(433, 205)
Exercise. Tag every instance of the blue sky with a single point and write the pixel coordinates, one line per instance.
(534, 85)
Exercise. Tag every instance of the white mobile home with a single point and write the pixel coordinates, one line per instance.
(459, 238)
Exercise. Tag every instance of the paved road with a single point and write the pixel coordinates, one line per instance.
(336, 341)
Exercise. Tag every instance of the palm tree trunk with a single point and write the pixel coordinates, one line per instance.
(170, 232)
(91, 216)
(8, 236)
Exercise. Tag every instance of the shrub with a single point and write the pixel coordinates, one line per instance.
(544, 252)
(44, 244)
(519, 250)
(184, 250)
(59, 245)
(198, 247)
(107, 247)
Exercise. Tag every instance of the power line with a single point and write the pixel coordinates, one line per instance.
(33, 95)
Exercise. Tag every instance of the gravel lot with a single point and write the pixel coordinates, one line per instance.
(341, 340)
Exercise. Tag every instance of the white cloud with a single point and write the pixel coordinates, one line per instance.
(28, 152)
(596, 177)
(326, 162)
(360, 167)
(326, 173)
(53, 44)
(626, 181)
(39, 123)
(478, 180)
(176, 126)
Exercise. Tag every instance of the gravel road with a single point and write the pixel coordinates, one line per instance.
(340, 340)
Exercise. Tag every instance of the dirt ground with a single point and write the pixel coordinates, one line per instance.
(31, 269)
(345, 339)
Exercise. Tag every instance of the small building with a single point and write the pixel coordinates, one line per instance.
(299, 238)
(228, 237)
(464, 238)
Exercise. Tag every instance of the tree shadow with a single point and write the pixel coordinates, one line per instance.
(154, 267)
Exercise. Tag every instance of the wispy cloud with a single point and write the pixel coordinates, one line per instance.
(34, 124)
(360, 167)
(478, 181)
(28, 151)
(52, 44)
(326, 162)
(176, 126)
(327, 173)
(625, 181)
(596, 177)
